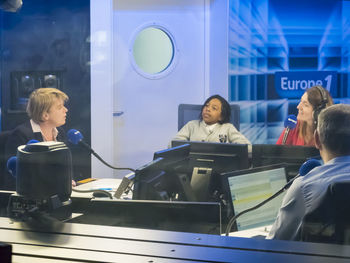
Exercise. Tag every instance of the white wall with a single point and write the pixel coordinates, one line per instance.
(102, 85)
(106, 73)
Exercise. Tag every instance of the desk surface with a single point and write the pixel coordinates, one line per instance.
(100, 183)
(86, 243)
(104, 183)
(259, 232)
(69, 242)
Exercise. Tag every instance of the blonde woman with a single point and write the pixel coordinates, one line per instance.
(47, 113)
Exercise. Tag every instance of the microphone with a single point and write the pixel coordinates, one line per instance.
(289, 124)
(11, 165)
(307, 167)
(12, 161)
(304, 169)
(32, 141)
(75, 137)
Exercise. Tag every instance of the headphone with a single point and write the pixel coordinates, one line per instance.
(322, 105)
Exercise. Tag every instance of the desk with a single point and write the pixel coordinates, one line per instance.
(93, 243)
(97, 184)
(259, 232)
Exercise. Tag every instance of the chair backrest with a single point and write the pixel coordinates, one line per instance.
(189, 112)
(3, 138)
(329, 222)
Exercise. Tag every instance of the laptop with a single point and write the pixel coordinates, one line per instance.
(246, 188)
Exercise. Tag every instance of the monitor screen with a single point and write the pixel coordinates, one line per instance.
(207, 160)
(247, 188)
(174, 154)
(221, 157)
(293, 156)
(163, 179)
(148, 182)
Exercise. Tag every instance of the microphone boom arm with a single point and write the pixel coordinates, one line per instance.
(103, 161)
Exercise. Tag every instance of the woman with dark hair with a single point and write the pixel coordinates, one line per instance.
(213, 124)
(311, 103)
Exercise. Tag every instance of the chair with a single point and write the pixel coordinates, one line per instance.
(329, 222)
(3, 172)
(189, 112)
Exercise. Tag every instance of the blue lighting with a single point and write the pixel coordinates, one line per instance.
(269, 36)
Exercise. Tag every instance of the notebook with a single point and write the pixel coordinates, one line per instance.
(246, 188)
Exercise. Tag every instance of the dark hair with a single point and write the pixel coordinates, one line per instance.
(225, 109)
(319, 98)
(334, 130)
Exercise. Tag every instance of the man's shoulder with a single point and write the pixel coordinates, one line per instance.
(311, 177)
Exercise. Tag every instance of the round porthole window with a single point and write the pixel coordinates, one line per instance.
(153, 52)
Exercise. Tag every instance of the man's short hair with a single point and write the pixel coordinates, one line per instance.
(334, 128)
(41, 100)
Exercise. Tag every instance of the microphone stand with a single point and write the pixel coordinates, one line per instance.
(285, 136)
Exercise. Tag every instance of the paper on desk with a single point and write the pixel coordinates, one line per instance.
(100, 183)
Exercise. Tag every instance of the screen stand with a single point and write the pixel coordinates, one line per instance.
(125, 185)
(200, 182)
(186, 188)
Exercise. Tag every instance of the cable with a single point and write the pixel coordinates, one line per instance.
(75, 137)
(110, 166)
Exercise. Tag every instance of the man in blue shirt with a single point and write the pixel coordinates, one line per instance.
(332, 138)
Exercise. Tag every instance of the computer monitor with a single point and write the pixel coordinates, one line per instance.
(207, 160)
(174, 154)
(293, 156)
(247, 188)
(169, 157)
(162, 179)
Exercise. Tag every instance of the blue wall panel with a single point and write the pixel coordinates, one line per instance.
(268, 36)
